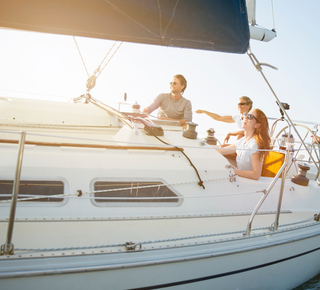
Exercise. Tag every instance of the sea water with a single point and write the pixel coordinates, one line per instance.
(312, 284)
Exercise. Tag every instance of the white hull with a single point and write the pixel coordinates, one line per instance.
(276, 262)
(200, 240)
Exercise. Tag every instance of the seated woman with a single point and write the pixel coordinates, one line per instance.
(256, 136)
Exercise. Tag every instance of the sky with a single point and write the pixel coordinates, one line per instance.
(47, 66)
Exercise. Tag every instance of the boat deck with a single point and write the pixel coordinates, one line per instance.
(60, 237)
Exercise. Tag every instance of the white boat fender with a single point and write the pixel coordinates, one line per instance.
(301, 178)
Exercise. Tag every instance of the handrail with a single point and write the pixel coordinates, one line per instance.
(112, 111)
(8, 248)
(276, 222)
(311, 159)
(61, 144)
(257, 65)
(266, 193)
(283, 170)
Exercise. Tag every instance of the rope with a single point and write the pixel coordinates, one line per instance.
(139, 187)
(136, 187)
(257, 65)
(160, 16)
(81, 56)
(172, 16)
(80, 128)
(91, 82)
(98, 69)
(126, 15)
(200, 183)
(273, 19)
(40, 197)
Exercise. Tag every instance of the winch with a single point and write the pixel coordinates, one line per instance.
(301, 178)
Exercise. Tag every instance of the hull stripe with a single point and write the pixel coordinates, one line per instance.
(225, 274)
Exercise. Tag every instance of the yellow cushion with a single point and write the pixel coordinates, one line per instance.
(272, 163)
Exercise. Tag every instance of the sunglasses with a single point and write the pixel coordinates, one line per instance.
(242, 104)
(173, 83)
(250, 116)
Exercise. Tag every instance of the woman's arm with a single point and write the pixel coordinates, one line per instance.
(228, 149)
(239, 135)
(256, 168)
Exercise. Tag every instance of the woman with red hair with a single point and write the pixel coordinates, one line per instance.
(249, 148)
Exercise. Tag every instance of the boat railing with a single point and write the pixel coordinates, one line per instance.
(129, 119)
(282, 171)
(311, 148)
(7, 248)
(289, 147)
(282, 106)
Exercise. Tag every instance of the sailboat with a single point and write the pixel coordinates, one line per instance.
(93, 197)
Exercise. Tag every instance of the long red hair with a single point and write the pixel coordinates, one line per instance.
(261, 134)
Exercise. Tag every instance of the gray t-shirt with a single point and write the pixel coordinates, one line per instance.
(174, 109)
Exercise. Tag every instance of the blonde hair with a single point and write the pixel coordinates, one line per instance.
(248, 101)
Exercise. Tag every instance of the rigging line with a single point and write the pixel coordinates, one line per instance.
(119, 10)
(112, 111)
(80, 55)
(91, 82)
(100, 71)
(106, 55)
(200, 183)
(274, 24)
(173, 13)
(257, 65)
(76, 195)
(160, 16)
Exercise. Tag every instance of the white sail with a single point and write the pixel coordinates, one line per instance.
(251, 10)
